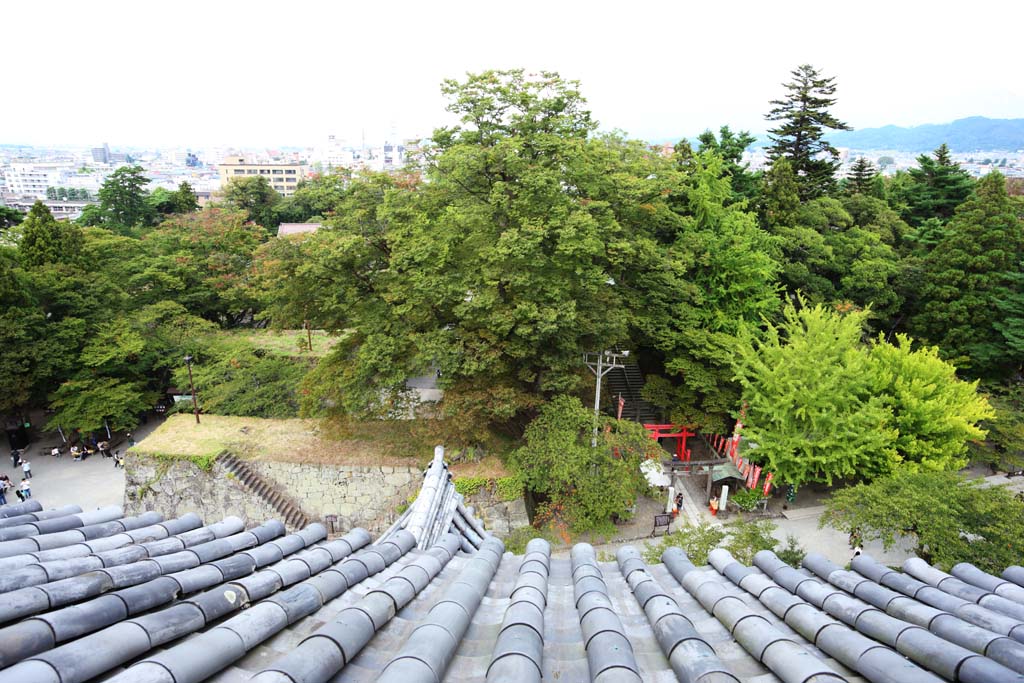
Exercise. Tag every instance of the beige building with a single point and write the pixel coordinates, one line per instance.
(283, 177)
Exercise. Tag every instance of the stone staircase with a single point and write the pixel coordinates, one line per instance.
(291, 514)
(628, 382)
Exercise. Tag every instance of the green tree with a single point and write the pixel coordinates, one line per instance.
(862, 177)
(9, 217)
(717, 271)
(91, 402)
(35, 350)
(255, 196)
(967, 275)
(585, 486)
(123, 200)
(730, 146)
(316, 198)
(92, 215)
(780, 195)
(185, 200)
(234, 378)
(812, 410)
(1011, 306)
(804, 118)
(202, 260)
(821, 404)
(934, 413)
(951, 519)
(161, 201)
(937, 186)
(44, 239)
(51, 193)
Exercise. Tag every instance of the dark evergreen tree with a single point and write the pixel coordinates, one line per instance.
(936, 187)
(44, 239)
(967, 275)
(780, 196)
(1011, 325)
(804, 118)
(123, 199)
(185, 199)
(862, 177)
(255, 195)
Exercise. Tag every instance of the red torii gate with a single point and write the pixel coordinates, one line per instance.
(670, 431)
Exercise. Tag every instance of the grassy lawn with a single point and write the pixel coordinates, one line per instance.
(394, 442)
(286, 342)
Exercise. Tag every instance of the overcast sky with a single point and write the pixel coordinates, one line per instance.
(290, 72)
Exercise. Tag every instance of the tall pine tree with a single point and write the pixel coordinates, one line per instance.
(936, 187)
(967, 275)
(862, 177)
(804, 118)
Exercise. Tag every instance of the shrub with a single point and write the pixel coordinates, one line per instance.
(697, 540)
(747, 538)
(469, 486)
(747, 499)
(516, 541)
(793, 554)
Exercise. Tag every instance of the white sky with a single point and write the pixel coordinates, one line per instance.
(290, 72)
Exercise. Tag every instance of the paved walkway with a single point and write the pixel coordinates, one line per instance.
(91, 483)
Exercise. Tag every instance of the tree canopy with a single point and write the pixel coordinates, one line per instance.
(822, 404)
(950, 519)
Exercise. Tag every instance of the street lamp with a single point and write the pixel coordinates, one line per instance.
(195, 403)
(601, 363)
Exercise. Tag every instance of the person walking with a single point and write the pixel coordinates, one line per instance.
(15, 457)
(26, 489)
(55, 451)
(4, 485)
(26, 468)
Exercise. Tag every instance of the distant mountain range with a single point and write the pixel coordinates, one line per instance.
(972, 134)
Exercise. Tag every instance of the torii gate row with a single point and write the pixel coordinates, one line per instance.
(677, 432)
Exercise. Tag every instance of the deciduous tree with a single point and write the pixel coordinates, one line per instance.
(812, 410)
(951, 519)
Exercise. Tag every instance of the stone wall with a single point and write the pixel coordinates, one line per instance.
(499, 517)
(174, 488)
(366, 496)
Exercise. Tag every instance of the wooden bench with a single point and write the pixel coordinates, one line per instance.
(662, 522)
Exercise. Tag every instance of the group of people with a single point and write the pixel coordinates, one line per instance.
(82, 451)
(78, 452)
(23, 491)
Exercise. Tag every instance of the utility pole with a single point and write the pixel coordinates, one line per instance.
(601, 363)
(191, 384)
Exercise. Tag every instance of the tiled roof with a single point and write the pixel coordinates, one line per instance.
(94, 596)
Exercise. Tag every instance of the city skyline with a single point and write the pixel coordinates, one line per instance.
(234, 74)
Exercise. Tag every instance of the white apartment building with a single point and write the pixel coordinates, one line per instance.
(31, 178)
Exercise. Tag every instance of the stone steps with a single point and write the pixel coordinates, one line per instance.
(293, 516)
